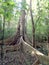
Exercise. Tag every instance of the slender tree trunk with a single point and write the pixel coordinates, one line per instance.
(33, 27)
(47, 23)
(2, 41)
(48, 38)
(0, 23)
(8, 24)
(48, 44)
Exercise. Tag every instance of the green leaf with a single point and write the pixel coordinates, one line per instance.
(0, 0)
(1, 11)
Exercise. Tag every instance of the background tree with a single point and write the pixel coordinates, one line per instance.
(5, 13)
(33, 27)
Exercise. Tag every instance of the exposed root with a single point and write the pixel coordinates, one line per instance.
(29, 49)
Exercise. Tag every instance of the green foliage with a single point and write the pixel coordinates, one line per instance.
(6, 8)
(12, 11)
(8, 33)
(41, 18)
(24, 5)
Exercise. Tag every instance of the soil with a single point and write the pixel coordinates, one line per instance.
(17, 58)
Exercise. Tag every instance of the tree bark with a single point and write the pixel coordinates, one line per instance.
(33, 27)
(48, 44)
(0, 23)
(22, 24)
(16, 39)
(2, 43)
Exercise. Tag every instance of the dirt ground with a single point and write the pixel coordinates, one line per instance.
(17, 58)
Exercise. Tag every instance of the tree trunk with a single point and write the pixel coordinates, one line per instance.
(2, 41)
(16, 38)
(48, 38)
(22, 24)
(33, 27)
(8, 27)
(48, 44)
(47, 23)
(0, 23)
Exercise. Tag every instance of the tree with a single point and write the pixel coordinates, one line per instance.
(33, 27)
(0, 23)
(5, 5)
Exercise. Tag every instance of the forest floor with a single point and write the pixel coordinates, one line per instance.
(17, 58)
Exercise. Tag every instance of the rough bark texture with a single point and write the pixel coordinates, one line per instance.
(16, 37)
(22, 24)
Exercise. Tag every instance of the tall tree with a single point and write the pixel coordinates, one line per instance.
(33, 27)
(22, 22)
(0, 23)
(5, 4)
